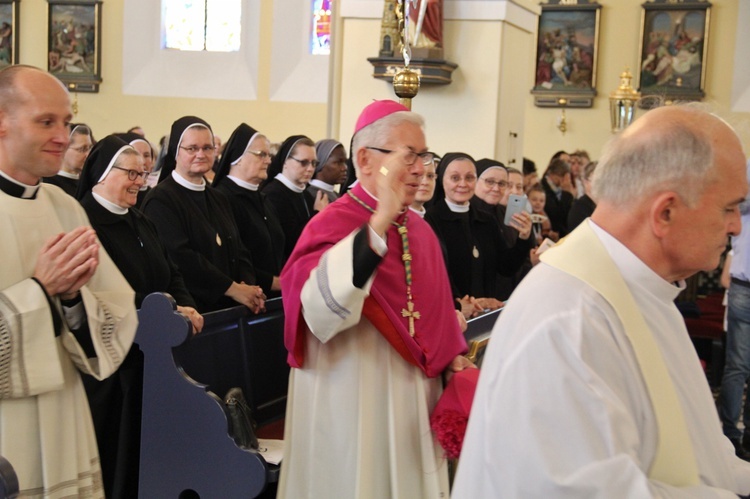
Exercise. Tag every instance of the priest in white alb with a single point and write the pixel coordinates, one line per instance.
(590, 386)
(370, 328)
(64, 306)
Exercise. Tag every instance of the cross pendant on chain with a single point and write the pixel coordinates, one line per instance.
(411, 314)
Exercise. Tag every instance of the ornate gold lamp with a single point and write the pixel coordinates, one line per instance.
(405, 81)
(622, 103)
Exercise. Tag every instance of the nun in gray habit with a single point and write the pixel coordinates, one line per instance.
(331, 169)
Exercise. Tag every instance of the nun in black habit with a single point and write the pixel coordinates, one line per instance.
(110, 181)
(243, 167)
(291, 170)
(197, 225)
(107, 190)
(491, 196)
(144, 147)
(472, 244)
(81, 142)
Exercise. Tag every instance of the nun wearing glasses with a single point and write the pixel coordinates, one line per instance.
(243, 167)
(111, 180)
(108, 189)
(143, 146)
(196, 224)
(291, 170)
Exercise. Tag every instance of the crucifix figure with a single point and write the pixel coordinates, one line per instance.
(411, 314)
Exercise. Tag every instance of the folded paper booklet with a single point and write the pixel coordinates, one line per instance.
(271, 450)
(546, 244)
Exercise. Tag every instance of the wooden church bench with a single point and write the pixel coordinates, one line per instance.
(185, 448)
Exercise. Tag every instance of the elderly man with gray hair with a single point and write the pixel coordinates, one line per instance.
(590, 386)
(370, 328)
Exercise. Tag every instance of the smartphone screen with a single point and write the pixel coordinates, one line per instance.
(516, 204)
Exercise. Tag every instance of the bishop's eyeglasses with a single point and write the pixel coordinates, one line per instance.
(410, 157)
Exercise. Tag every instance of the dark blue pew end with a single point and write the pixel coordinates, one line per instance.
(185, 448)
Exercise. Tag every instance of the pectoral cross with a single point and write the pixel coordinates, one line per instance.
(411, 314)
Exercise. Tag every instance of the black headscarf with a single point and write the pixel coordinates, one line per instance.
(175, 138)
(73, 127)
(234, 149)
(447, 159)
(284, 151)
(485, 164)
(100, 161)
(131, 137)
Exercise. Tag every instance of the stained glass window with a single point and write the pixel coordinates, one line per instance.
(320, 40)
(212, 25)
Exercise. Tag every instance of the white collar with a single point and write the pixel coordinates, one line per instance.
(291, 185)
(29, 191)
(555, 188)
(243, 184)
(321, 185)
(457, 208)
(421, 212)
(639, 276)
(187, 184)
(109, 205)
(74, 176)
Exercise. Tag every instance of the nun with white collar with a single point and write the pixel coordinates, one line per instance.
(331, 169)
(79, 146)
(197, 226)
(146, 150)
(107, 190)
(474, 249)
(291, 170)
(243, 167)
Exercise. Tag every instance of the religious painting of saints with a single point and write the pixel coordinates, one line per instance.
(8, 33)
(74, 39)
(673, 50)
(566, 53)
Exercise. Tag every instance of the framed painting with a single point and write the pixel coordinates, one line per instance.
(8, 32)
(566, 54)
(74, 34)
(673, 49)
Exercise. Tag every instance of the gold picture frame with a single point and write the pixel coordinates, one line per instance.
(673, 50)
(8, 32)
(566, 54)
(74, 43)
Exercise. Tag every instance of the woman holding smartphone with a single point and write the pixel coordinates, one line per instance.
(474, 249)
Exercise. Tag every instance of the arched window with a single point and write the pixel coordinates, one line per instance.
(320, 41)
(211, 25)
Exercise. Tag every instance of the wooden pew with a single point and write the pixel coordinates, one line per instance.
(185, 448)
